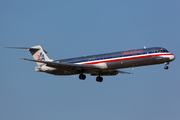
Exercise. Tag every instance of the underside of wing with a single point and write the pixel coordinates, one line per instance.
(109, 72)
(88, 69)
(124, 72)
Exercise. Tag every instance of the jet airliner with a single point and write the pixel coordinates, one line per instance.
(99, 65)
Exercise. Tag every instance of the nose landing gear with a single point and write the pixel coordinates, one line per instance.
(166, 67)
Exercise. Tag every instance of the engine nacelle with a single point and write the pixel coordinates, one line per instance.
(102, 65)
(44, 68)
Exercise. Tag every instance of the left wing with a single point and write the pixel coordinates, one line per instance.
(91, 69)
(63, 64)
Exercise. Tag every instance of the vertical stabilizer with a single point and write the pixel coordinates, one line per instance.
(39, 54)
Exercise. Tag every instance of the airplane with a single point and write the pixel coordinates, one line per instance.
(99, 65)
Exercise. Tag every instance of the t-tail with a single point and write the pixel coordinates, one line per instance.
(37, 52)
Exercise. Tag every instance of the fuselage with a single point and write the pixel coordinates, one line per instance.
(126, 59)
(99, 65)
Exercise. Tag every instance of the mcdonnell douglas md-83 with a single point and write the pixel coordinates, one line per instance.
(99, 65)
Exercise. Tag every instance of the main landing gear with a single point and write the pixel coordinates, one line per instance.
(99, 79)
(83, 77)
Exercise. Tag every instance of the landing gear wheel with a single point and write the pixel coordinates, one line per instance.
(99, 79)
(82, 77)
(166, 67)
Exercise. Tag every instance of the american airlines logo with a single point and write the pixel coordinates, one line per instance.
(131, 52)
(41, 57)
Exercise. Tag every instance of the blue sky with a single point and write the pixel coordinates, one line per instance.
(76, 28)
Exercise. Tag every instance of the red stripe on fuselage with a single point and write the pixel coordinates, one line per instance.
(126, 58)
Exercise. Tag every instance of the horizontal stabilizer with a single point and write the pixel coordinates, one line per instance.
(22, 48)
(25, 48)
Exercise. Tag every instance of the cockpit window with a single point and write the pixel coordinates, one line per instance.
(162, 50)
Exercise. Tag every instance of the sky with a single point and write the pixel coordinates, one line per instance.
(68, 28)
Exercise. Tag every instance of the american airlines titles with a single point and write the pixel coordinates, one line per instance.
(131, 52)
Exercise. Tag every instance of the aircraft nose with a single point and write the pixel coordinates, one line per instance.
(172, 57)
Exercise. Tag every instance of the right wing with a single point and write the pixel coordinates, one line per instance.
(109, 72)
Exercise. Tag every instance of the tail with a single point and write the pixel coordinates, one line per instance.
(37, 52)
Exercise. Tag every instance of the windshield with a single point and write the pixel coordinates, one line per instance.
(162, 50)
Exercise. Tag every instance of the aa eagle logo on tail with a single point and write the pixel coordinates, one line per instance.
(41, 57)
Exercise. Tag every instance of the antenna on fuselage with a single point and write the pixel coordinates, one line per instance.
(144, 47)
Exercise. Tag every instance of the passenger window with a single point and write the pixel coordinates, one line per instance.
(150, 52)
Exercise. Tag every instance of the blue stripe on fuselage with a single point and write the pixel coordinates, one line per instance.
(110, 55)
